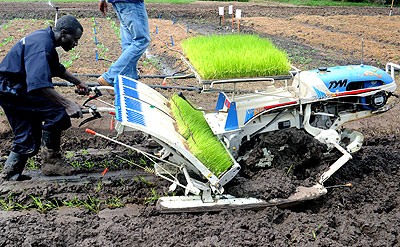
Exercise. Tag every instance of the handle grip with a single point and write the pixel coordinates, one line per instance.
(85, 111)
(90, 131)
(80, 92)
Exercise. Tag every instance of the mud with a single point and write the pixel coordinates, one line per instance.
(120, 211)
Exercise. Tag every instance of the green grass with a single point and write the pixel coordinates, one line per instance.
(235, 56)
(68, 1)
(327, 3)
(201, 141)
(226, 0)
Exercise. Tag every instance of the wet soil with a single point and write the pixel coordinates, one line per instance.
(120, 210)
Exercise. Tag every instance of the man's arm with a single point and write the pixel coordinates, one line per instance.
(72, 108)
(74, 80)
(103, 7)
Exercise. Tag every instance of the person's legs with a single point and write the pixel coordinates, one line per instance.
(135, 38)
(14, 166)
(25, 115)
(52, 160)
(55, 121)
(26, 142)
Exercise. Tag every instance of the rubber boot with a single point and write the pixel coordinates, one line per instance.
(14, 166)
(53, 163)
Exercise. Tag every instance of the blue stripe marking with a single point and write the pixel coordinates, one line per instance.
(133, 104)
(131, 93)
(135, 117)
(129, 82)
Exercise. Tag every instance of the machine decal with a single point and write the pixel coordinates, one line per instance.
(227, 103)
(254, 112)
(322, 95)
(357, 91)
(370, 73)
(338, 83)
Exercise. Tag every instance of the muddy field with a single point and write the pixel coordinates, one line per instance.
(118, 209)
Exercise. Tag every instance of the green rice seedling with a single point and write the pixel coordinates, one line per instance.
(315, 232)
(49, 22)
(6, 41)
(235, 56)
(7, 206)
(74, 203)
(93, 204)
(69, 155)
(76, 163)
(153, 198)
(290, 168)
(89, 164)
(203, 144)
(146, 181)
(100, 185)
(23, 207)
(31, 164)
(114, 202)
(42, 206)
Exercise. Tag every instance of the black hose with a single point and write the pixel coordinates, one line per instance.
(142, 76)
(94, 84)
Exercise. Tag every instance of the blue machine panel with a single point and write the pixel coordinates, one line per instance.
(337, 78)
(131, 92)
(133, 104)
(129, 82)
(135, 117)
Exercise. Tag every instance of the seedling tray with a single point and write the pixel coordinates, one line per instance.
(234, 58)
(235, 80)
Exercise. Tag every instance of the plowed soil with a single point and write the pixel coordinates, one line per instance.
(118, 209)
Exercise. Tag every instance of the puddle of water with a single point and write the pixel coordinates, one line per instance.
(163, 67)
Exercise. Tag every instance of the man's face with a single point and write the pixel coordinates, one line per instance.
(69, 41)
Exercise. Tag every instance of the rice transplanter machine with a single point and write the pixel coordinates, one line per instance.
(319, 101)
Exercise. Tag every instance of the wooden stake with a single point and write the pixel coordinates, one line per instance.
(391, 8)
(238, 24)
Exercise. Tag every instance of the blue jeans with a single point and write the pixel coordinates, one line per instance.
(135, 38)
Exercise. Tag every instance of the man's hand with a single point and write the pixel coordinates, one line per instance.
(103, 7)
(74, 110)
(83, 88)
